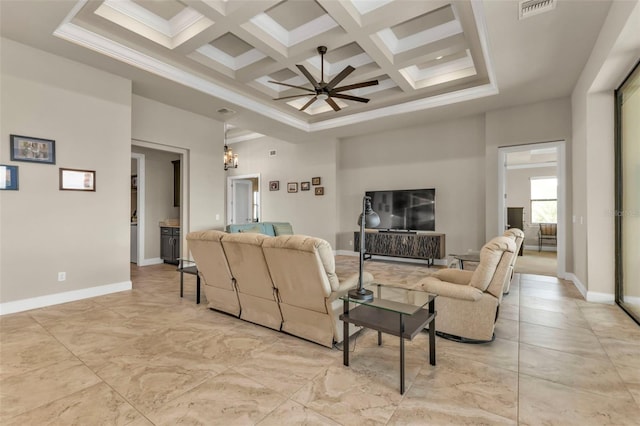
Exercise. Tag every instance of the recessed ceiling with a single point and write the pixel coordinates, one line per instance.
(423, 54)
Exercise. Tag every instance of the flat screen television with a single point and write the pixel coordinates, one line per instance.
(406, 209)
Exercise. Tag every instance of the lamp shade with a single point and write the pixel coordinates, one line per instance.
(371, 218)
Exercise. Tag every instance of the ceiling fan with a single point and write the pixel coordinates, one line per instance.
(327, 91)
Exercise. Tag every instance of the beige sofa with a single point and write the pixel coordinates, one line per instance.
(287, 283)
(468, 301)
(518, 237)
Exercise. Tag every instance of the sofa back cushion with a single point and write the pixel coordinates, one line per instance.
(495, 260)
(518, 236)
(207, 251)
(282, 229)
(247, 263)
(302, 269)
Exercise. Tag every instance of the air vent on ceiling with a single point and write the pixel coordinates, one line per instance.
(273, 153)
(226, 111)
(527, 8)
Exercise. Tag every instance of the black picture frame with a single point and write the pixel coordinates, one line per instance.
(274, 185)
(305, 186)
(77, 180)
(319, 190)
(32, 150)
(315, 181)
(8, 177)
(292, 187)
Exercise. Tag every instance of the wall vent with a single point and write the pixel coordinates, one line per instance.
(273, 153)
(528, 8)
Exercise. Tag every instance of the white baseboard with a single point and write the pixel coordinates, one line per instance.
(535, 248)
(439, 262)
(147, 262)
(632, 300)
(593, 296)
(64, 297)
(590, 296)
(576, 282)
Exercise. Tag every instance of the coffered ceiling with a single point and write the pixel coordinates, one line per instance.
(418, 51)
(432, 58)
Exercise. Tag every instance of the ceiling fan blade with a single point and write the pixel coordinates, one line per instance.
(338, 78)
(291, 85)
(291, 97)
(349, 97)
(312, 100)
(333, 104)
(355, 86)
(307, 74)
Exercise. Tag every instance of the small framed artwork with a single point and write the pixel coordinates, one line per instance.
(274, 185)
(315, 181)
(292, 187)
(320, 190)
(8, 177)
(134, 182)
(77, 180)
(304, 186)
(34, 150)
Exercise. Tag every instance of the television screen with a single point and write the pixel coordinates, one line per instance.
(407, 210)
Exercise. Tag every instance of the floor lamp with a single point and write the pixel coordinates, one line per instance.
(367, 219)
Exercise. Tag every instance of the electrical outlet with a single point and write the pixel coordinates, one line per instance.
(62, 276)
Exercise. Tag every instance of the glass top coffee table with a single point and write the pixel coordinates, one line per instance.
(394, 310)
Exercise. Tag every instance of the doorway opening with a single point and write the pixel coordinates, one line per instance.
(531, 196)
(243, 199)
(137, 217)
(162, 197)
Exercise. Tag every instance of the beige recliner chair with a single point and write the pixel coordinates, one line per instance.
(219, 285)
(303, 270)
(255, 289)
(468, 301)
(518, 237)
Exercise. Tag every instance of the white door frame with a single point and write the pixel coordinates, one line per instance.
(230, 179)
(184, 194)
(561, 172)
(140, 171)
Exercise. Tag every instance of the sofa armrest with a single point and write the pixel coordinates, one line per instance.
(454, 291)
(455, 276)
(349, 283)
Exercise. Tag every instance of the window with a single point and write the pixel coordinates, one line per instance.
(544, 200)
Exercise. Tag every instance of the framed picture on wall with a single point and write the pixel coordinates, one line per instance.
(304, 186)
(8, 177)
(315, 181)
(34, 150)
(274, 185)
(77, 180)
(292, 187)
(320, 190)
(134, 182)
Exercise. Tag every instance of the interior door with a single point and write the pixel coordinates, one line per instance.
(242, 201)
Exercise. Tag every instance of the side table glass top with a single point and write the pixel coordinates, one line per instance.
(395, 299)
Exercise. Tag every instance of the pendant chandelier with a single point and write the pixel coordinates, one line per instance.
(230, 159)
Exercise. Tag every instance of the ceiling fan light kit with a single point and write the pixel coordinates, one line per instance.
(326, 91)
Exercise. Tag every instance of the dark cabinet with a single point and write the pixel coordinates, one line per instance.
(515, 219)
(170, 244)
(176, 183)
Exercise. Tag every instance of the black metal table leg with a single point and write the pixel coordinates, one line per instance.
(432, 334)
(198, 289)
(345, 325)
(181, 282)
(401, 354)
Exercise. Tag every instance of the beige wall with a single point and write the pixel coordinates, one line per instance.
(448, 156)
(519, 195)
(540, 122)
(614, 54)
(45, 230)
(200, 138)
(309, 214)
(158, 196)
